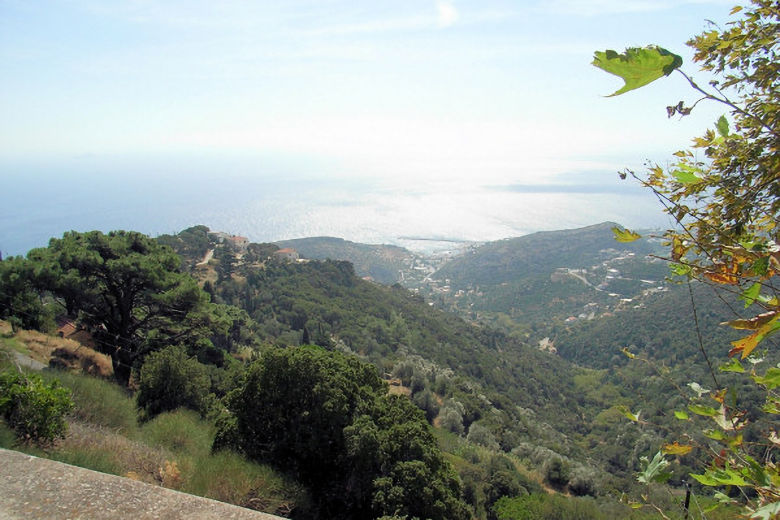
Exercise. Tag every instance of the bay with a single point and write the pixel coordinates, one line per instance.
(424, 217)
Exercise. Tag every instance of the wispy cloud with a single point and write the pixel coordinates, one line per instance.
(408, 23)
(606, 7)
(448, 14)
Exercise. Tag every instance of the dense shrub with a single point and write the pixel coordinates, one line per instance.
(451, 417)
(479, 434)
(326, 418)
(169, 379)
(427, 402)
(582, 481)
(557, 472)
(33, 408)
(546, 507)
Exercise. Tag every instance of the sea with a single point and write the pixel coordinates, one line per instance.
(425, 217)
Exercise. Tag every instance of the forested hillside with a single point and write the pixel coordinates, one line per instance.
(383, 263)
(509, 416)
(535, 254)
(531, 282)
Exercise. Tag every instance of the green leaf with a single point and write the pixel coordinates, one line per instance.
(680, 269)
(715, 435)
(686, 177)
(767, 512)
(628, 414)
(761, 266)
(772, 406)
(720, 477)
(654, 469)
(750, 294)
(723, 126)
(683, 416)
(705, 479)
(637, 66)
(706, 411)
(771, 379)
(722, 498)
(733, 366)
(729, 477)
(756, 472)
(625, 235)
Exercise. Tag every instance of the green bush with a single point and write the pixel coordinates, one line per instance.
(169, 380)
(34, 409)
(547, 507)
(557, 472)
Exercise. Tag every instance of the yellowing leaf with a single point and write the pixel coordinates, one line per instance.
(723, 274)
(625, 235)
(747, 344)
(678, 248)
(676, 449)
(753, 323)
(723, 279)
(637, 66)
(681, 415)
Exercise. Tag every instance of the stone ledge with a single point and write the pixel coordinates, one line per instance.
(31, 487)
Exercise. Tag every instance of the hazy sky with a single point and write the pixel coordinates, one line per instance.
(494, 91)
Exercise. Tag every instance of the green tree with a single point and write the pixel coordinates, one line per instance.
(20, 299)
(556, 472)
(502, 483)
(128, 288)
(326, 418)
(169, 379)
(723, 195)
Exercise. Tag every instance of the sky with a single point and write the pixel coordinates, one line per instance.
(406, 92)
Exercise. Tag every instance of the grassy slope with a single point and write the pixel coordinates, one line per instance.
(173, 450)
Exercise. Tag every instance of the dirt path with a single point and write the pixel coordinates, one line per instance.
(31, 487)
(27, 361)
(209, 256)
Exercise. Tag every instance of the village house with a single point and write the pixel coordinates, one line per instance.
(289, 254)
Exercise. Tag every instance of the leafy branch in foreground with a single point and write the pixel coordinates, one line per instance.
(724, 196)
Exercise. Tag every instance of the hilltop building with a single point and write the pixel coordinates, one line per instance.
(289, 254)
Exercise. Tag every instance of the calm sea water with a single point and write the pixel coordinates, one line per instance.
(421, 217)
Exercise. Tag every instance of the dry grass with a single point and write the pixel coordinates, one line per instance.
(5, 328)
(121, 456)
(399, 390)
(67, 353)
